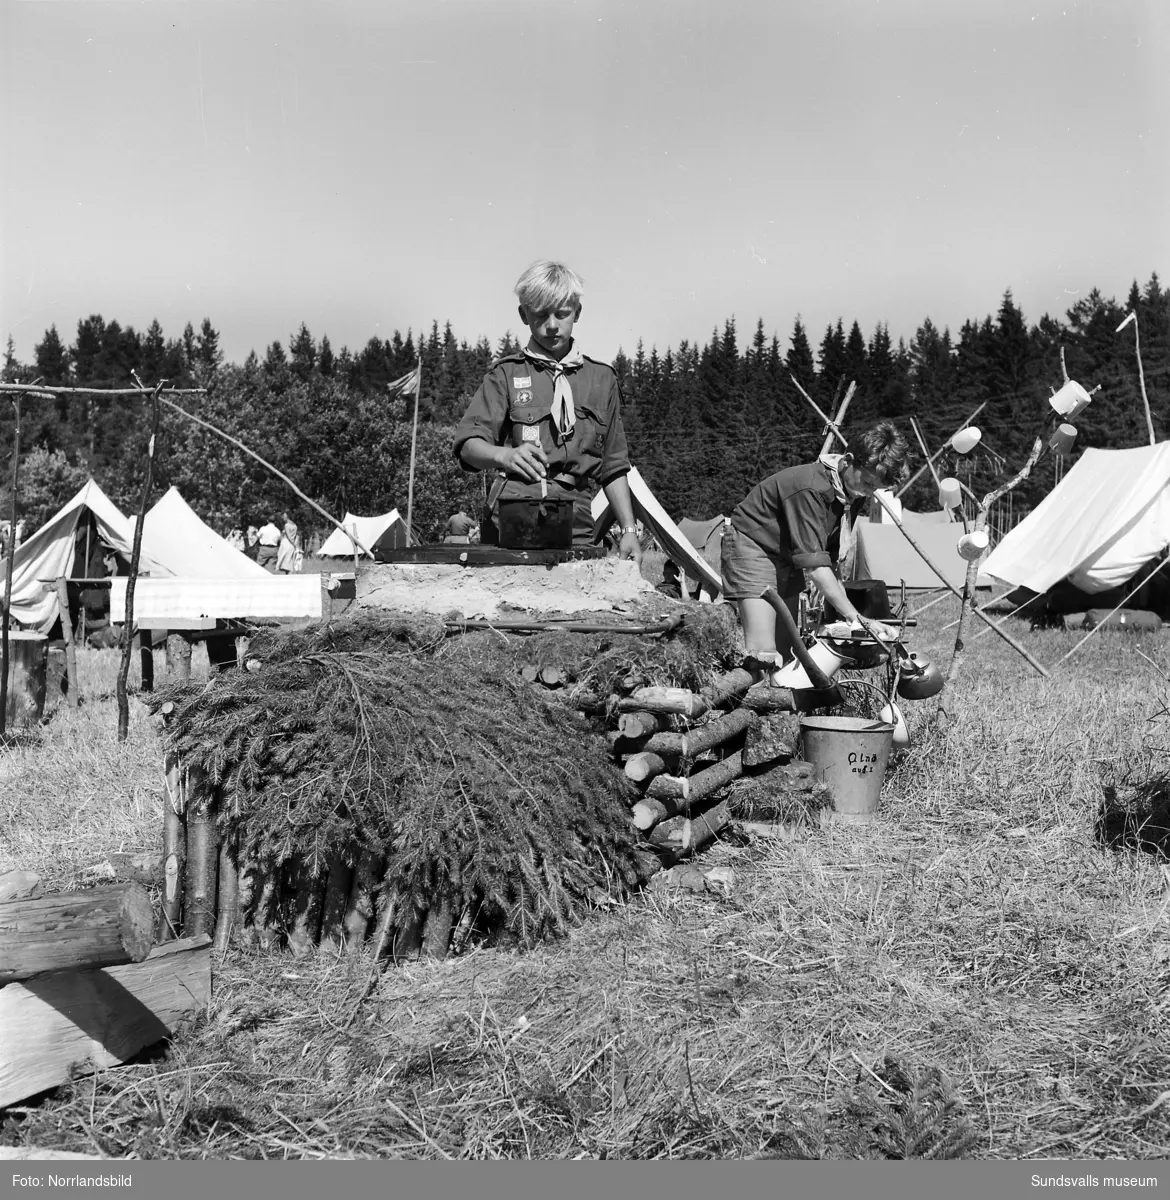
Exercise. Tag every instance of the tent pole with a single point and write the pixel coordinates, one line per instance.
(413, 443)
(1007, 637)
(1110, 613)
(135, 558)
(8, 572)
(838, 417)
(1137, 345)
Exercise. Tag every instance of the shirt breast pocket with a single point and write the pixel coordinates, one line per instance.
(526, 421)
(590, 431)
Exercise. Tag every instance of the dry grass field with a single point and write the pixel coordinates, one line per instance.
(972, 975)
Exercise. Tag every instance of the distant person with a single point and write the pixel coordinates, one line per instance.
(267, 543)
(289, 557)
(235, 539)
(548, 418)
(791, 523)
(458, 529)
(251, 545)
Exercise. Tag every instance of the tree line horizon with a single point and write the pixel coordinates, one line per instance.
(704, 422)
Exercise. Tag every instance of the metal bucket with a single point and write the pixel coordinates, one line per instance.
(850, 756)
(28, 656)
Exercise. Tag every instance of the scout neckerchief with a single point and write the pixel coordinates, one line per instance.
(563, 413)
(832, 462)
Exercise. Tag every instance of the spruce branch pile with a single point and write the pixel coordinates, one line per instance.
(475, 788)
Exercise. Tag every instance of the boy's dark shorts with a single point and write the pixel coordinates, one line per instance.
(747, 569)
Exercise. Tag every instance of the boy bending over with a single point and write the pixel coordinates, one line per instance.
(791, 523)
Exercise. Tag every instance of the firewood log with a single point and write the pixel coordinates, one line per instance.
(75, 931)
(202, 855)
(795, 778)
(74, 1022)
(337, 888)
(777, 735)
(680, 836)
(228, 898)
(704, 828)
(640, 767)
(305, 907)
(553, 677)
(529, 673)
(436, 933)
(665, 700)
(667, 835)
(762, 698)
(695, 741)
(641, 724)
(724, 687)
(697, 786)
(366, 876)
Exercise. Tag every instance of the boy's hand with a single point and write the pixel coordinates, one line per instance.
(630, 547)
(887, 632)
(529, 461)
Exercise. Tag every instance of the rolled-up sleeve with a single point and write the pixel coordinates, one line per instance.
(615, 455)
(810, 520)
(486, 415)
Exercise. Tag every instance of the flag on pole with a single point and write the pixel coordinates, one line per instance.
(407, 385)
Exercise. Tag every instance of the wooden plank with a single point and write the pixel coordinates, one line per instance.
(78, 1022)
(486, 556)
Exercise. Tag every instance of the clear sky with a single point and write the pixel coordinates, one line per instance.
(363, 166)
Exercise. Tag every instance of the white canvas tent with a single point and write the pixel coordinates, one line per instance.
(173, 535)
(1105, 520)
(367, 530)
(50, 553)
(669, 536)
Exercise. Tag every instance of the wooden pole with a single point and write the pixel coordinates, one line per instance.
(838, 417)
(146, 660)
(360, 909)
(1137, 345)
(202, 856)
(817, 409)
(8, 571)
(913, 478)
(70, 648)
(135, 559)
(174, 851)
(228, 898)
(413, 442)
(227, 437)
(75, 931)
(178, 656)
(337, 886)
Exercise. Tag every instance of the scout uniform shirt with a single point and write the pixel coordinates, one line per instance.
(795, 517)
(514, 405)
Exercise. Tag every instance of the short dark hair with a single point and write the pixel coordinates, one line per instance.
(882, 449)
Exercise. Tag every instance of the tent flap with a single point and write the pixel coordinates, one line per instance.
(1106, 518)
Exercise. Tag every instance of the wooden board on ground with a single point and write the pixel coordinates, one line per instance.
(487, 556)
(83, 1021)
